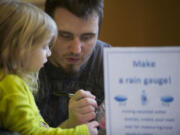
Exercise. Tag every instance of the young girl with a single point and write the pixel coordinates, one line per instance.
(26, 33)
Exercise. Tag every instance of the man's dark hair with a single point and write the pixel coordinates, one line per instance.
(80, 8)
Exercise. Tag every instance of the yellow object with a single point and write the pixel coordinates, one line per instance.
(18, 111)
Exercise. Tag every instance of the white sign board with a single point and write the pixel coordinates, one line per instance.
(142, 91)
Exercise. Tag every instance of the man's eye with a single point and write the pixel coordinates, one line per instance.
(65, 36)
(86, 37)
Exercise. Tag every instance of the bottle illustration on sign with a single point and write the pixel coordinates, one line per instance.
(121, 99)
(144, 98)
(166, 100)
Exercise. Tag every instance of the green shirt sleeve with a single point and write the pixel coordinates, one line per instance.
(18, 111)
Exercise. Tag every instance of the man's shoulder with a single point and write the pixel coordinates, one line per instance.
(97, 55)
(102, 44)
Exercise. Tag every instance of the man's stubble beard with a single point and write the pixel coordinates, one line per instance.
(71, 69)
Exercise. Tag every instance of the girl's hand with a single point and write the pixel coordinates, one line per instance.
(102, 123)
(92, 126)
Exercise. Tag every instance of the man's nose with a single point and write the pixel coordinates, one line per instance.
(76, 45)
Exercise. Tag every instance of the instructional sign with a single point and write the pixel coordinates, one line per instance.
(142, 90)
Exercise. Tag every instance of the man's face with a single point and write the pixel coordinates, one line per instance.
(76, 40)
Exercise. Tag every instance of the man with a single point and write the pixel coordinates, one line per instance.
(76, 63)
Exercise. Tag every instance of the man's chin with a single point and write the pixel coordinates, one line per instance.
(71, 69)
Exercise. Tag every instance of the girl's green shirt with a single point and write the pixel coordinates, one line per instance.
(18, 111)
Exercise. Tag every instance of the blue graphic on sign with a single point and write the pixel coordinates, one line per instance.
(144, 98)
(121, 99)
(166, 100)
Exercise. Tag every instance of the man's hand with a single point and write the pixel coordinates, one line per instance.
(82, 107)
